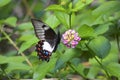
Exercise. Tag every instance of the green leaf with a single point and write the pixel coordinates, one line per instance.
(80, 4)
(63, 18)
(28, 44)
(108, 7)
(114, 69)
(42, 69)
(100, 46)
(4, 2)
(56, 8)
(68, 55)
(99, 15)
(52, 21)
(70, 5)
(111, 58)
(107, 62)
(80, 69)
(25, 26)
(85, 31)
(18, 59)
(17, 66)
(14, 63)
(93, 72)
(87, 18)
(11, 21)
(25, 37)
(102, 29)
(3, 59)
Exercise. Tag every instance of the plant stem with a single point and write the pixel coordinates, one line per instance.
(100, 63)
(70, 20)
(75, 69)
(118, 44)
(70, 14)
(103, 67)
(11, 41)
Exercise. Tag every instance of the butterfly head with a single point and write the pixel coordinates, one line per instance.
(41, 52)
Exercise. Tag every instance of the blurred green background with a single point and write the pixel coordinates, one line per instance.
(96, 57)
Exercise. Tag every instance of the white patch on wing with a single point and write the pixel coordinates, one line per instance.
(46, 28)
(46, 46)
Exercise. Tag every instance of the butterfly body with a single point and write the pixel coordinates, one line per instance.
(49, 40)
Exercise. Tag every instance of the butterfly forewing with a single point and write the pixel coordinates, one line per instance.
(39, 31)
(43, 32)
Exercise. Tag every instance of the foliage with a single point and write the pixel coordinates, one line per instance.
(95, 57)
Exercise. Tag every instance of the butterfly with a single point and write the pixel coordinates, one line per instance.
(49, 40)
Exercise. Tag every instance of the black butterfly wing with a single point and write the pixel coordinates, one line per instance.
(57, 41)
(44, 32)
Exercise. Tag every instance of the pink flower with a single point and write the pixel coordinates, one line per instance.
(70, 38)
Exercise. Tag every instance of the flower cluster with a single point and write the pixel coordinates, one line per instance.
(70, 38)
